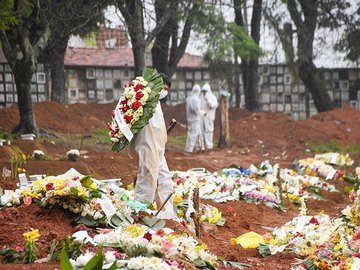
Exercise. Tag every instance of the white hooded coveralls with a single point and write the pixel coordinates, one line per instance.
(153, 174)
(193, 116)
(209, 104)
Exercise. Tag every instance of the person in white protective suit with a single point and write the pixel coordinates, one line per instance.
(208, 106)
(193, 115)
(153, 176)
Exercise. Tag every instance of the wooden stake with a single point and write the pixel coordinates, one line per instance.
(196, 201)
(224, 137)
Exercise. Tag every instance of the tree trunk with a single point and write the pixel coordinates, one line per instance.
(309, 75)
(23, 75)
(251, 81)
(54, 58)
(249, 67)
(224, 138)
(160, 51)
(305, 21)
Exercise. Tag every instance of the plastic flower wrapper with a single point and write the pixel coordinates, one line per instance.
(135, 108)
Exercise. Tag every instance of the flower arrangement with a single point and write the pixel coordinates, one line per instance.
(38, 155)
(135, 108)
(79, 197)
(335, 159)
(139, 240)
(73, 155)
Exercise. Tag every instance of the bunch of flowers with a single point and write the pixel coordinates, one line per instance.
(164, 243)
(136, 107)
(38, 155)
(135, 263)
(73, 155)
(79, 196)
(299, 235)
(209, 213)
(335, 159)
(226, 187)
(315, 167)
(295, 185)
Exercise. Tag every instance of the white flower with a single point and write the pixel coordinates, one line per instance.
(83, 259)
(110, 257)
(135, 263)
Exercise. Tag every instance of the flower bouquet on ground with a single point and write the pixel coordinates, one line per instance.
(135, 108)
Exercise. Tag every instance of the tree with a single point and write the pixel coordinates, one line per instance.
(228, 41)
(22, 44)
(133, 12)
(308, 16)
(181, 11)
(350, 42)
(249, 66)
(81, 17)
(5, 14)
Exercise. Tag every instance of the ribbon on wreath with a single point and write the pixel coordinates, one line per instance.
(124, 128)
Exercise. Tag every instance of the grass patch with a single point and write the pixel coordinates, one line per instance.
(6, 136)
(177, 140)
(333, 146)
(100, 138)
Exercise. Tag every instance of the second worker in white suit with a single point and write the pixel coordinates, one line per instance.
(208, 107)
(193, 117)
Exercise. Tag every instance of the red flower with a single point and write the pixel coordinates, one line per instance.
(136, 105)
(139, 95)
(148, 236)
(138, 87)
(356, 255)
(49, 186)
(76, 178)
(160, 232)
(128, 118)
(125, 108)
(314, 221)
(130, 84)
(27, 200)
(124, 101)
(113, 114)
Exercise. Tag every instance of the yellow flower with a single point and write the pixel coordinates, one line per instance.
(19, 169)
(23, 156)
(177, 199)
(181, 213)
(338, 247)
(216, 216)
(200, 247)
(31, 236)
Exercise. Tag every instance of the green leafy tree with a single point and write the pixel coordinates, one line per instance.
(6, 18)
(350, 42)
(22, 44)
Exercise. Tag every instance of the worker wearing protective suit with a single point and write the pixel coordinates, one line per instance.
(153, 176)
(208, 106)
(193, 116)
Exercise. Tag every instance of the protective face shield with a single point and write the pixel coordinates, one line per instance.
(163, 94)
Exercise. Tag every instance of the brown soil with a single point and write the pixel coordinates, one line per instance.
(255, 137)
